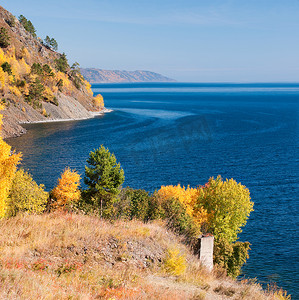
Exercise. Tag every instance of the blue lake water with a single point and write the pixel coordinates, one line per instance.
(170, 133)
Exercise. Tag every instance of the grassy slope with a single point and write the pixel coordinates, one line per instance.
(69, 256)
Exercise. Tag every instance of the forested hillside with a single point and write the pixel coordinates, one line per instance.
(37, 83)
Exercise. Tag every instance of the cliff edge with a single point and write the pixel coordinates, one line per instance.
(36, 82)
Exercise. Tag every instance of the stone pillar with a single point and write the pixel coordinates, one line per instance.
(205, 250)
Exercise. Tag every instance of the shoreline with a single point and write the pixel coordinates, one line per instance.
(93, 114)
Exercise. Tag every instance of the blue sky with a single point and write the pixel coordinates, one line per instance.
(199, 41)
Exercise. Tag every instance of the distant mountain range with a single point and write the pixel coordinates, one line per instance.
(100, 76)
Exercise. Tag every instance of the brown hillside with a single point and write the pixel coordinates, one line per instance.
(66, 94)
(70, 256)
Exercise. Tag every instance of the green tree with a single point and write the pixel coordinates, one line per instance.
(36, 90)
(228, 206)
(47, 70)
(54, 44)
(37, 69)
(4, 38)
(62, 64)
(103, 177)
(26, 195)
(51, 43)
(27, 25)
(6, 67)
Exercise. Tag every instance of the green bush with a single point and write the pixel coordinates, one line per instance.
(6, 67)
(231, 256)
(178, 220)
(133, 204)
(26, 195)
(4, 38)
(37, 69)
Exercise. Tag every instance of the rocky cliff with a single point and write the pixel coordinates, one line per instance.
(36, 82)
(101, 76)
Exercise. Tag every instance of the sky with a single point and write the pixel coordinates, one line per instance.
(188, 40)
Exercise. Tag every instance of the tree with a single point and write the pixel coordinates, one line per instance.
(26, 195)
(228, 206)
(35, 94)
(98, 101)
(4, 38)
(61, 63)
(27, 25)
(8, 165)
(103, 176)
(6, 67)
(51, 43)
(67, 191)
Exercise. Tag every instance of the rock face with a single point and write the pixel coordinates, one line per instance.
(68, 100)
(100, 76)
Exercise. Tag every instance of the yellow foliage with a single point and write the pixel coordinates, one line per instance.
(26, 55)
(26, 195)
(44, 112)
(98, 101)
(2, 77)
(228, 205)
(67, 191)
(2, 57)
(23, 67)
(88, 87)
(187, 196)
(23, 109)
(8, 165)
(174, 263)
(48, 94)
(14, 90)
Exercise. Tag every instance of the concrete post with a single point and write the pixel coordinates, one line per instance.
(205, 253)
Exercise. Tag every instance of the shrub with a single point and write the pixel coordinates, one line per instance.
(4, 38)
(133, 204)
(37, 69)
(174, 263)
(230, 256)
(67, 191)
(26, 195)
(8, 165)
(178, 220)
(47, 71)
(98, 101)
(6, 67)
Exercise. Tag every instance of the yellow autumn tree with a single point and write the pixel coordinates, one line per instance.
(8, 166)
(67, 191)
(99, 101)
(186, 196)
(228, 205)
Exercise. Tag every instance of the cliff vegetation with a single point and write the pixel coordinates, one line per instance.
(36, 82)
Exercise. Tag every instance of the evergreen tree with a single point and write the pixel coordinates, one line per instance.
(103, 176)
(4, 38)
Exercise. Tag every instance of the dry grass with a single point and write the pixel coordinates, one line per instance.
(69, 256)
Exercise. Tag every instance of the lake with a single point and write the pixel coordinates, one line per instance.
(170, 133)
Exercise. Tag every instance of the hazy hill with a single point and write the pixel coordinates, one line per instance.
(99, 75)
(36, 82)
